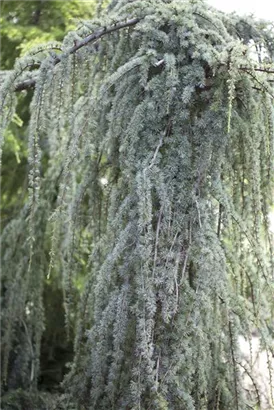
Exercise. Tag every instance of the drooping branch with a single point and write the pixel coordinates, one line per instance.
(24, 85)
(30, 83)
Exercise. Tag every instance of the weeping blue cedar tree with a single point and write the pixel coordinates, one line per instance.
(171, 104)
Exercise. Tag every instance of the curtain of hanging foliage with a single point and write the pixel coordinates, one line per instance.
(171, 104)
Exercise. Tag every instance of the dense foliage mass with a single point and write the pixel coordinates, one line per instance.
(150, 185)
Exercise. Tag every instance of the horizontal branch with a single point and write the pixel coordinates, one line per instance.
(261, 69)
(98, 34)
(79, 44)
(30, 83)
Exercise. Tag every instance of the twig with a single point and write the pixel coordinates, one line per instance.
(156, 152)
(199, 215)
(252, 380)
(234, 365)
(259, 82)
(219, 220)
(261, 69)
(31, 351)
(156, 240)
(157, 371)
(159, 63)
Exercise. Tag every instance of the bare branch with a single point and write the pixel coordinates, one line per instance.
(100, 33)
(261, 69)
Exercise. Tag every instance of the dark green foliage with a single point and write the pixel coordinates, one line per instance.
(23, 27)
(175, 113)
(21, 400)
(24, 400)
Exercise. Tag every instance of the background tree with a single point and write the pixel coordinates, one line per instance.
(171, 104)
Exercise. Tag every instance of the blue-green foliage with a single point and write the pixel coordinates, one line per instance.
(174, 114)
